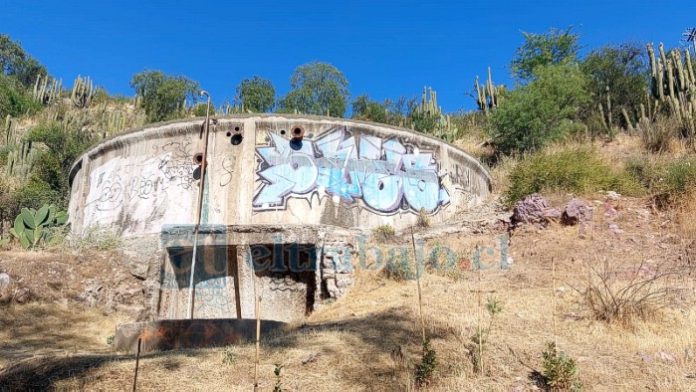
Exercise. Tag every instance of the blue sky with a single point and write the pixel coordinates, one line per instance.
(385, 48)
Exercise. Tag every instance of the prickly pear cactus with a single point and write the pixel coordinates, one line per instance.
(30, 226)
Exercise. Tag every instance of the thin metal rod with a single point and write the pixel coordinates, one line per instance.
(257, 300)
(201, 191)
(137, 364)
(420, 300)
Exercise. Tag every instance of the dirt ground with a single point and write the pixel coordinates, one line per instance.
(370, 339)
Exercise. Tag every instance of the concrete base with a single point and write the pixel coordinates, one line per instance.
(197, 333)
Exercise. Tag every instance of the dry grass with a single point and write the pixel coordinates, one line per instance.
(370, 339)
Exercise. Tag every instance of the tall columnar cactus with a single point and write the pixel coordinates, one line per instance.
(47, 90)
(30, 226)
(674, 84)
(82, 92)
(20, 159)
(488, 96)
(430, 113)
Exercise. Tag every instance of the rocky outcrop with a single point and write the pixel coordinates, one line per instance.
(533, 209)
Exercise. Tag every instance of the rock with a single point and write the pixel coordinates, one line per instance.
(533, 209)
(666, 357)
(22, 295)
(92, 292)
(576, 211)
(609, 211)
(4, 280)
(613, 196)
(614, 229)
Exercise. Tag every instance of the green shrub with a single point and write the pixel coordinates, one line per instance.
(383, 232)
(164, 96)
(543, 111)
(14, 99)
(424, 370)
(560, 371)
(571, 169)
(666, 180)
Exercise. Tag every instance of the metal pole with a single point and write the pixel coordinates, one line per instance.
(137, 364)
(201, 190)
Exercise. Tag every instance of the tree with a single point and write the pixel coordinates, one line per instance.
(164, 96)
(15, 100)
(553, 47)
(542, 111)
(52, 167)
(621, 72)
(317, 88)
(387, 112)
(15, 62)
(256, 95)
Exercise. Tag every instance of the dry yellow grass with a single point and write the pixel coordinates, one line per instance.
(354, 343)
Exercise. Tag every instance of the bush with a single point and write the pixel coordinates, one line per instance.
(666, 180)
(576, 170)
(543, 111)
(256, 95)
(560, 371)
(383, 232)
(657, 135)
(424, 370)
(14, 99)
(164, 96)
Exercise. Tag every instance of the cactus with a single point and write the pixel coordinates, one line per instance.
(82, 92)
(674, 84)
(488, 97)
(431, 117)
(47, 90)
(30, 226)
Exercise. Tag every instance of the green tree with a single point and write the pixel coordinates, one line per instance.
(14, 98)
(542, 111)
(256, 95)
(317, 88)
(388, 112)
(52, 167)
(15, 62)
(620, 71)
(164, 96)
(539, 50)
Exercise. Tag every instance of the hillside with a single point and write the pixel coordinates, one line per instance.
(369, 340)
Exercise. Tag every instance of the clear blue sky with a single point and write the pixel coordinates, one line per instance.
(385, 48)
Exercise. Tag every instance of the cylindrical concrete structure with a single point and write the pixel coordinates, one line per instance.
(272, 169)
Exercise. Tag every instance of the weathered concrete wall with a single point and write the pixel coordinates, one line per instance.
(266, 195)
(344, 173)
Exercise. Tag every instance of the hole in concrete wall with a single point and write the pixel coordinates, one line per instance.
(289, 268)
(229, 134)
(296, 144)
(236, 129)
(198, 158)
(282, 132)
(236, 139)
(297, 132)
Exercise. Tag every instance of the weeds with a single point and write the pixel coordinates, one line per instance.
(229, 355)
(423, 219)
(384, 233)
(480, 337)
(424, 370)
(278, 379)
(657, 135)
(560, 371)
(641, 296)
(576, 170)
(98, 238)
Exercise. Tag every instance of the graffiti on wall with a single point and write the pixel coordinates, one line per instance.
(384, 173)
